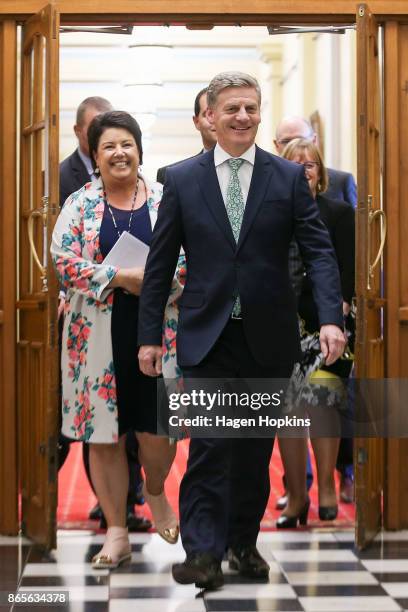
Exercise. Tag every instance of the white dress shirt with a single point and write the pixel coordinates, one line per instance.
(223, 170)
(87, 163)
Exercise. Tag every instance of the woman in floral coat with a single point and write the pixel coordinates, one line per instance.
(104, 393)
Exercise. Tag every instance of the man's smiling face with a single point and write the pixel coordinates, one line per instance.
(236, 116)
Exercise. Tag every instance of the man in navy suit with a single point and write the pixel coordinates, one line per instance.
(237, 312)
(342, 185)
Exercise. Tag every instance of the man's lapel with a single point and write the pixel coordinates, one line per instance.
(211, 191)
(261, 176)
(79, 170)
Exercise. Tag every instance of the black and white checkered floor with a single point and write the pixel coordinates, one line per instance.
(314, 571)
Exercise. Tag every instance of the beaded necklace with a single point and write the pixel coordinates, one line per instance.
(131, 210)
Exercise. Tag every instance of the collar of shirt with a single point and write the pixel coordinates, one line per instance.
(86, 161)
(224, 171)
(221, 156)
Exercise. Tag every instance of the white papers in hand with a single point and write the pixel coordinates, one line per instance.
(127, 252)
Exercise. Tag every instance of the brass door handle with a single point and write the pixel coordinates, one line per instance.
(30, 230)
(372, 216)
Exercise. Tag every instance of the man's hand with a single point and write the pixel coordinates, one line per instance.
(332, 343)
(150, 360)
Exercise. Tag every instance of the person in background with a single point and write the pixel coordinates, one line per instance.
(207, 131)
(342, 185)
(339, 218)
(75, 171)
(104, 393)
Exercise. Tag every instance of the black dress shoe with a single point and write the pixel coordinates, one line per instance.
(95, 514)
(201, 569)
(328, 513)
(134, 522)
(291, 522)
(248, 562)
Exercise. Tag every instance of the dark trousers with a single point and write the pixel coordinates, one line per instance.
(225, 489)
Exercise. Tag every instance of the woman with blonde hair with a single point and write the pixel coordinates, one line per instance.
(338, 216)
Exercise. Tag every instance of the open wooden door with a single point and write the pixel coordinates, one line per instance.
(37, 353)
(371, 228)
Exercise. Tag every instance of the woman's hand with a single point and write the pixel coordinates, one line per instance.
(129, 279)
(332, 343)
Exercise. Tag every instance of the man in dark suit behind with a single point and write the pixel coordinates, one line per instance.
(75, 171)
(234, 210)
(207, 131)
(342, 185)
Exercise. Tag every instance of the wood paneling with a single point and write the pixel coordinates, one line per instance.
(224, 11)
(34, 462)
(369, 453)
(8, 215)
(37, 380)
(396, 186)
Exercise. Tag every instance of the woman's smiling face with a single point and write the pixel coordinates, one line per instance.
(117, 155)
(311, 166)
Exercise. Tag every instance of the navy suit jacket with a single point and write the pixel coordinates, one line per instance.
(161, 172)
(73, 176)
(193, 216)
(342, 186)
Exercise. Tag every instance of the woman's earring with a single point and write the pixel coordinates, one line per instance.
(96, 171)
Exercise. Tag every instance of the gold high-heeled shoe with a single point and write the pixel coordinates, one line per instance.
(106, 562)
(164, 519)
(115, 551)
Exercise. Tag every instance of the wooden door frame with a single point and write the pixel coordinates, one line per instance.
(8, 276)
(395, 508)
(184, 12)
(213, 11)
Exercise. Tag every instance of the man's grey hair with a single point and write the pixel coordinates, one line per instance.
(230, 79)
(100, 104)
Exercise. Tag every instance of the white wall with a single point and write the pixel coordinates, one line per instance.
(298, 74)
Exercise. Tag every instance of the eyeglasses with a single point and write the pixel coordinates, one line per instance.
(285, 141)
(309, 165)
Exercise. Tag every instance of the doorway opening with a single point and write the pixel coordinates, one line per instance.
(155, 73)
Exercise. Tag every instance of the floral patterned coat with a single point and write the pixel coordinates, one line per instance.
(89, 404)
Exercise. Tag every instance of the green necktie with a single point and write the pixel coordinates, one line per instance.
(235, 210)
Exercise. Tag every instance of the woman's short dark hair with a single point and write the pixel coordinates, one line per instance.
(113, 119)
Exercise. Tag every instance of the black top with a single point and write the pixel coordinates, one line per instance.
(339, 218)
(141, 227)
(136, 393)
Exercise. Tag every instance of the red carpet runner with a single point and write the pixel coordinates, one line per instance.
(76, 498)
